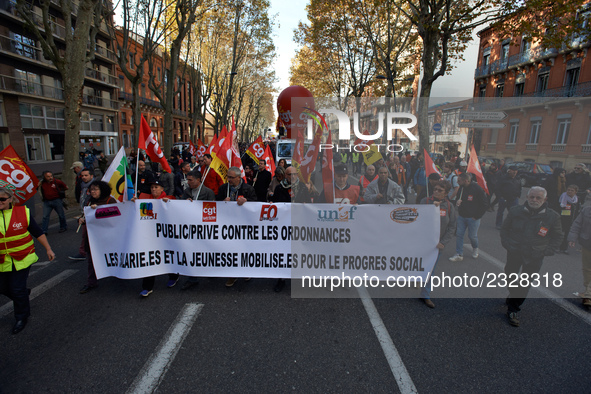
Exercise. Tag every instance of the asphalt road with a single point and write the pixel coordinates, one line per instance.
(249, 339)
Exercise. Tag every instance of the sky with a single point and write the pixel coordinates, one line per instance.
(289, 13)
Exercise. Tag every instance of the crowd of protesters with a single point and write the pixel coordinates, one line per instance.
(551, 219)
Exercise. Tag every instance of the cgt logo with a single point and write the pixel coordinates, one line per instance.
(268, 212)
(209, 212)
(342, 214)
(17, 226)
(147, 211)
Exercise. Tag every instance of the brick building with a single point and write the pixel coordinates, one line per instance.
(31, 94)
(545, 92)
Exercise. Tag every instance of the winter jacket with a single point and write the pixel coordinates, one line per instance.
(474, 201)
(580, 231)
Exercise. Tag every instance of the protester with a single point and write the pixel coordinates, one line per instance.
(180, 180)
(555, 186)
(279, 176)
(530, 232)
(580, 177)
(99, 194)
(18, 254)
(344, 193)
(491, 177)
(144, 178)
(261, 181)
(384, 190)
(472, 204)
(196, 190)
(509, 191)
(52, 200)
(580, 232)
(569, 210)
(369, 176)
(448, 217)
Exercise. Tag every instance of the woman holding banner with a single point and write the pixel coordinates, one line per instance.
(449, 216)
(100, 194)
(17, 254)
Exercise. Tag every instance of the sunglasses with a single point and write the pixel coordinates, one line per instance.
(4, 199)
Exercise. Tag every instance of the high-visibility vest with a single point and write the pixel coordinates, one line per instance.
(355, 157)
(15, 240)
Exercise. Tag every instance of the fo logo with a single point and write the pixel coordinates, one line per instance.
(342, 214)
(268, 212)
(147, 211)
(209, 212)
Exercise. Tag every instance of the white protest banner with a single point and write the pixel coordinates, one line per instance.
(259, 240)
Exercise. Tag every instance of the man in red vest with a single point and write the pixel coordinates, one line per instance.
(370, 176)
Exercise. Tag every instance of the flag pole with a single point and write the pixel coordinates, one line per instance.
(137, 162)
(203, 180)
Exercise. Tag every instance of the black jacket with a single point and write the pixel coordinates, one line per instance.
(474, 201)
(244, 190)
(533, 233)
(508, 188)
(263, 180)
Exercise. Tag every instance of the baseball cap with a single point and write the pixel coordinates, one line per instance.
(77, 164)
(341, 169)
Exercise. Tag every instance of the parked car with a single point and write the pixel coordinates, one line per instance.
(488, 161)
(532, 174)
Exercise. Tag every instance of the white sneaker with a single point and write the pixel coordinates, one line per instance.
(475, 253)
(457, 257)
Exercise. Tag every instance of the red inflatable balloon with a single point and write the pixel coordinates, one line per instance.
(290, 107)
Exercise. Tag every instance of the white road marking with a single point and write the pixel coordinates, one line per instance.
(403, 379)
(37, 291)
(38, 266)
(555, 298)
(153, 371)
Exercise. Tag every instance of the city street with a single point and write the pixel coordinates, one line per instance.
(248, 338)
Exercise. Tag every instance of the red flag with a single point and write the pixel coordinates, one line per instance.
(212, 144)
(236, 160)
(268, 156)
(430, 167)
(219, 142)
(256, 150)
(298, 151)
(148, 143)
(328, 172)
(474, 168)
(309, 160)
(16, 175)
(201, 148)
(192, 149)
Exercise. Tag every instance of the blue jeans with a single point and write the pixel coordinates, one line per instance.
(426, 290)
(48, 206)
(472, 226)
(504, 204)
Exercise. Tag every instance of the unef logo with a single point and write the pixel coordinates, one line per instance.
(147, 211)
(209, 212)
(342, 214)
(268, 212)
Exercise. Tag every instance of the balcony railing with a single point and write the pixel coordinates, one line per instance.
(520, 58)
(531, 147)
(99, 101)
(509, 146)
(27, 87)
(586, 148)
(56, 29)
(129, 97)
(558, 147)
(178, 112)
(25, 50)
(104, 52)
(101, 76)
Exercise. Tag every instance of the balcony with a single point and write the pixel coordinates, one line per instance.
(104, 53)
(98, 101)
(586, 148)
(509, 146)
(524, 57)
(531, 147)
(17, 85)
(57, 29)
(101, 76)
(24, 50)
(558, 147)
(143, 100)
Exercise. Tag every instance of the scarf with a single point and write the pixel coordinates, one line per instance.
(565, 199)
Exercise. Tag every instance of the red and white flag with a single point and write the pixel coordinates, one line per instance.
(17, 176)
(328, 172)
(309, 160)
(192, 149)
(268, 156)
(201, 148)
(474, 168)
(147, 142)
(430, 167)
(256, 150)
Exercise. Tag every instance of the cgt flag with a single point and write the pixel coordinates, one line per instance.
(201, 148)
(16, 175)
(268, 156)
(257, 150)
(192, 149)
(148, 142)
(474, 168)
(328, 172)
(118, 176)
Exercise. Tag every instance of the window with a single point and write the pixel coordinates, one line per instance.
(41, 117)
(486, 56)
(499, 90)
(482, 91)
(534, 134)
(571, 80)
(161, 123)
(158, 74)
(505, 53)
(122, 83)
(58, 89)
(542, 82)
(562, 134)
(589, 136)
(518, 89)
(28, 82)
(110, 123)
(23, 46)
(91, 122)
(123, 118)
(513, 132)
(525, 47)
(153, 123)
(131, 61)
